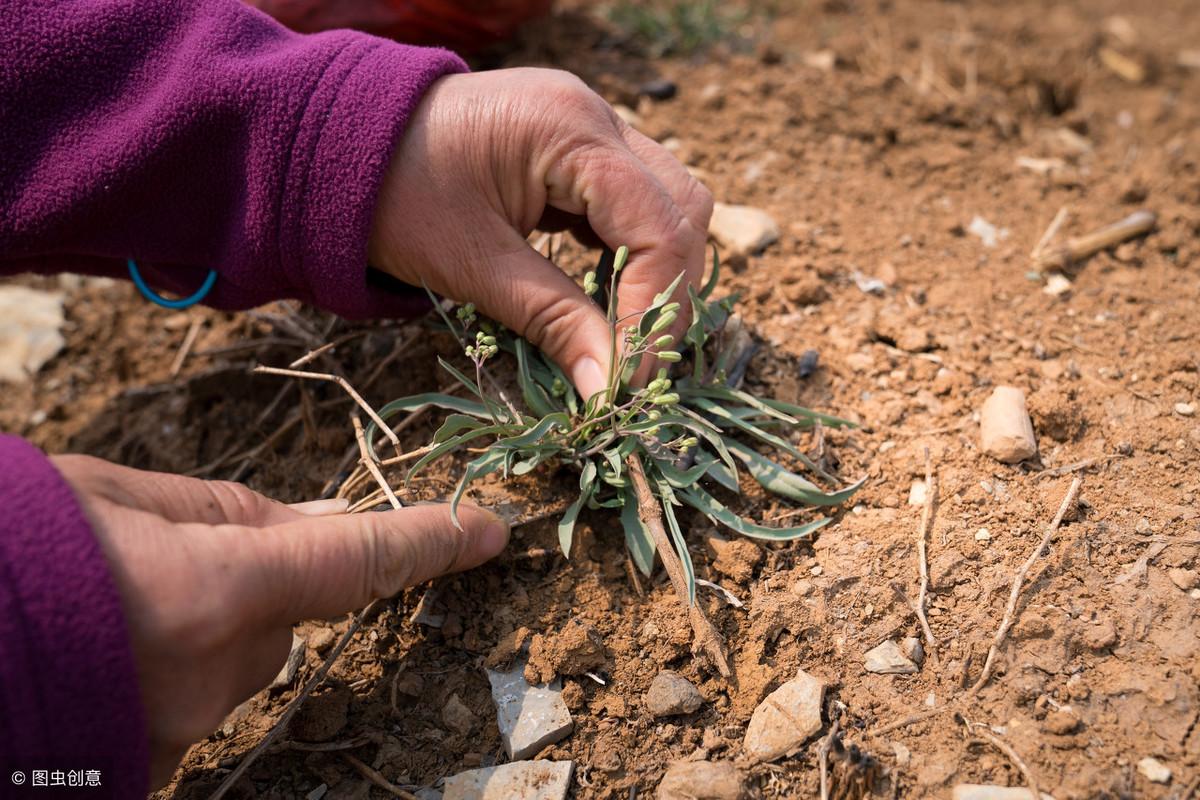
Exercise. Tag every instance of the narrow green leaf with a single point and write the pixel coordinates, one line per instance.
(566, 526)
(685, 557)
(450, 445)
(455, 423)
(486, 464)
(802, 413)
(535, 396)
(776, 479)
(711, 284)
(546, 425)
(712, 508)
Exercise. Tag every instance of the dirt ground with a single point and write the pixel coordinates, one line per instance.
(874, 133)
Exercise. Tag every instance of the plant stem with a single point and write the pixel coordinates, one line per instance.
(706, 636)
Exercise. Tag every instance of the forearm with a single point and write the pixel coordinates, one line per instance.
(201, 135)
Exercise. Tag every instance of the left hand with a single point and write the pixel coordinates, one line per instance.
(212, 576)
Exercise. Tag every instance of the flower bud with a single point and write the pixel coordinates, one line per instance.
(670, 356)
(669, 399)
(665, 321)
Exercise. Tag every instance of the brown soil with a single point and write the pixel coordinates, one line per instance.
(875, 167)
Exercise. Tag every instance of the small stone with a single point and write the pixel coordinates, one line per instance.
(659, 89)
(670, 693)
(917, 493)
(887, 659)
(1100, 635)
(980, 791)
(734, 558)
(983, 535)
(824, 60)
(1194, 594)
(785, 719)
(988, 233)
(913, 650)
(31, 322)
(742, 229)
(321, 639)
(809, 361)
(317, 793)
(428, 793)
(1154, 770)
(295, 658)
(1185, 409)
(529, 717)
(427, 612)
(529, 780)
(1185, 579)
(457, 717)
(702, 780)
(1005, 428)
(1056, 285)
(1060, 722)
(902, 753)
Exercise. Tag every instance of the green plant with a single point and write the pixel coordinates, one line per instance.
(676, 27)
(681, 430)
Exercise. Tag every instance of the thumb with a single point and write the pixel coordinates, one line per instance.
(325, 566)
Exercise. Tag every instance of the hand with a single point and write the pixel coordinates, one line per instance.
(489, 157)
(212, 576)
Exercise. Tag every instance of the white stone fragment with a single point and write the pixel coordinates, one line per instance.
(529, 717)
(888, 659)
(785, 719)
(1056, 284)
(1005, 428)
(744, 230)
(295, 658)
(988, 233)
(528, 780)
(917, 493)
(30, 331)
(1154, 770)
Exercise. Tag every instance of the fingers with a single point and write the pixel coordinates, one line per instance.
(324, 566)
(174, 497)
(536, 299)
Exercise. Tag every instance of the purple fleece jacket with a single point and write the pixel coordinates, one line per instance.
(187, 134)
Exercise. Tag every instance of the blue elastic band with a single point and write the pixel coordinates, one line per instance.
(158, 299)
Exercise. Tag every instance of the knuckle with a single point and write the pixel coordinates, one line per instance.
(551, 323)
(235, 501)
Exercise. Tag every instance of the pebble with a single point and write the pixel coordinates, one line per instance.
(1056, 285)
(659, 89)
(529, 717)
(809, 361)
(988, 233)
(1005, 428)
(1185, 409)
(1154, 770)
(913, 650)
(887, 659)
(295, 658)
(983, 535)
(31, 321)
(983, 791)
(529, 780)
(744, 230)
(1185, 579)
(670, 693)
(1060, 722)
(917, 493)
(902, 753)
(457, 717)
(785, 719)
(702, 780)
(321, 639)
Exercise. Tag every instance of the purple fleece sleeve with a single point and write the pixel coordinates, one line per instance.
(69, 697)
(192, 135)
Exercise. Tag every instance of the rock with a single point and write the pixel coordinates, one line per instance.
(1100, 635)
(1056, 285)
(427, 612)
(902, 753)
(913, 650)
(810, 360)
(887, 659)
(31, 322)
(575, 649)
(983, 535)
(917, 493)
(785, 719)
(980, 791)
(295, 658)
(1005, 428)
(809, 290)
(1185, 579)
(659, 89)
(317, 793)
(947, 569)
(988, 233)
(321, 639)
(671, 693)
(1154, 770)
(742, 229)
(428, 793)
(1060, 722)
(1185, 409)
(457, 717)
(824, 60)
(702, 780)
(529, 717)
(529, 780)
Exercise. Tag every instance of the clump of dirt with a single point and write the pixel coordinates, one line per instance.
(575, 649)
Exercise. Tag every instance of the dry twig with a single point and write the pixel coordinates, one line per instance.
(369, 462)
(186, 347)
(707, 638)
(1019, 579)
(981, 731)
(1080, 247)
(345, 384)
(931, 490)
(823, 755)
(1051, 231)
(374, 776)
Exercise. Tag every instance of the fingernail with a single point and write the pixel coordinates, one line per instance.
(494, 536)
(589, 377)
(322, 508)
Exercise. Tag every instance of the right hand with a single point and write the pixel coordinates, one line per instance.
(491, 156)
